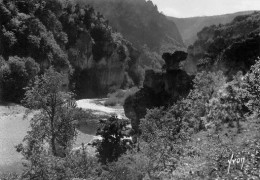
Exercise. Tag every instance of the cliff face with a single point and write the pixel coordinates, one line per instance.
(231, 48)
(160, 88)
(118, 68)
(140, 22)
(144, 26)
(103, 60)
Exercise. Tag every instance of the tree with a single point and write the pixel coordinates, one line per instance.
(55, 123)
(164, 132)
(206, 86)
(47, 146)
(114, 143)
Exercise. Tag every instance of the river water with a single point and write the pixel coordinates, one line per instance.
(13, 128)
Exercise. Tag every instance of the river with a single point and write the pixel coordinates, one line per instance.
(13, 128)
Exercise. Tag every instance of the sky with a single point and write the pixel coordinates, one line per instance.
(191, 8)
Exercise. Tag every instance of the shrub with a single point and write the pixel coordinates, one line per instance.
(130, 166)
(114, 143)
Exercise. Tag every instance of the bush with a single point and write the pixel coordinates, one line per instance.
(114, 143)
(130, 166)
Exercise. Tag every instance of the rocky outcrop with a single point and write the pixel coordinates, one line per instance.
(159, 88)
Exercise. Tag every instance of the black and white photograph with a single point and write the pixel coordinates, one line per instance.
(129, 89)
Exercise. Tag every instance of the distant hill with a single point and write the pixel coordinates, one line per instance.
(231, 47)
(189, 27)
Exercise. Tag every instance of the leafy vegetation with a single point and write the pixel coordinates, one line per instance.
(35, 35)
(15, 75)
(54, 123)
(48, 144)
(114, 143)
(198, 137)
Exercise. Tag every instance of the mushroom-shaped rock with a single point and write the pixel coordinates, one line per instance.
(172, 61)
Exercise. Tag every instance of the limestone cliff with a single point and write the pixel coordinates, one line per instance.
(117, 68)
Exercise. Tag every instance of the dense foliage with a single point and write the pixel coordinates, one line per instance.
(198, 136)
(114, 143)
(15, 75)
(39, 34)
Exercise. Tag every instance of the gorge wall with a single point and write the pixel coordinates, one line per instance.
(118, 68)
(141, 23)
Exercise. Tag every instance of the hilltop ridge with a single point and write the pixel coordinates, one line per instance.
(189, 27)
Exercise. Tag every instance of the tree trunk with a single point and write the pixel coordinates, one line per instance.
(53, 145)
(53, 136)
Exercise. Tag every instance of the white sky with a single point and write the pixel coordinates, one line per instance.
(189, 8)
